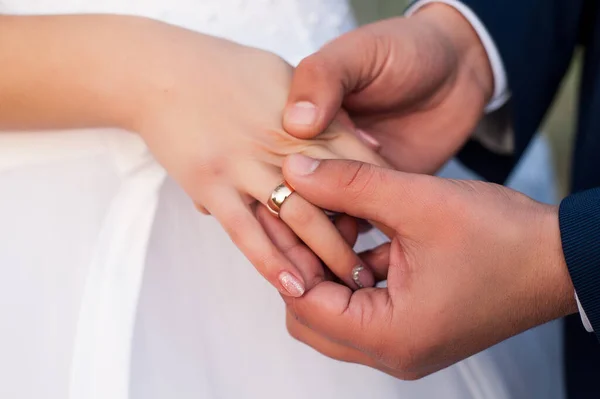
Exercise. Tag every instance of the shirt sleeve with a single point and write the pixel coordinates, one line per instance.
(584, 319)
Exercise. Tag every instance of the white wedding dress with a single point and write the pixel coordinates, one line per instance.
(114, 287)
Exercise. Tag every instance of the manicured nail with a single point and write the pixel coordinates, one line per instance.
(363, 277)
(292, 285)
(302, 113)
(301, 165)
(368, 139)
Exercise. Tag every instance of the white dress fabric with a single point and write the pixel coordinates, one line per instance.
(113, 286)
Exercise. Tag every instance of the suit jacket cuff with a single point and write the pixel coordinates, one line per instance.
(579, 218)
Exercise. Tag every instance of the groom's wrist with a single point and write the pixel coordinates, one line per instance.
(556, 291)
(473, 60)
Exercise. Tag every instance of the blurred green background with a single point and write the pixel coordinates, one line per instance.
(559, 124)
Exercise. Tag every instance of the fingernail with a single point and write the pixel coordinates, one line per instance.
(302, 113)
(292, 285)
(301, 165)
(363, 277)
(368, 139)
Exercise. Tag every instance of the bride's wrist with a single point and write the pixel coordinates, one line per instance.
(139, 67)
(184, 71)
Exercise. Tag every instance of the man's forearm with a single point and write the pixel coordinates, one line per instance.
(68, 71)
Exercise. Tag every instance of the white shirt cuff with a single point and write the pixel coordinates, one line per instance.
(584, 318)
(501, 92)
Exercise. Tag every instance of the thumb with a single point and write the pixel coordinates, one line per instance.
(358, 189)
(323, 80)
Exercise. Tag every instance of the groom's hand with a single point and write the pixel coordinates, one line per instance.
(470, 264)
(418, 85)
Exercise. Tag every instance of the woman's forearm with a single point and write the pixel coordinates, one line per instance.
(70, 71)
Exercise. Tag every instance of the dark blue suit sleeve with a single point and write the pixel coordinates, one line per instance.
(579, 217)
(536, 40)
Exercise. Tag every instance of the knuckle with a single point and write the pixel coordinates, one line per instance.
(282, 71)
(363, 312)
(314, 67)
(210, 168)
(299, 214)
(248, 200)
(360, 179)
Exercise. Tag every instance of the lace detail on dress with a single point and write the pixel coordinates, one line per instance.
(289, 28)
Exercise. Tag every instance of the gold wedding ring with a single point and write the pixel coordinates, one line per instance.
(278, 197)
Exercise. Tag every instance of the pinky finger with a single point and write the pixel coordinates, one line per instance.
(248, 235)
(292, 247)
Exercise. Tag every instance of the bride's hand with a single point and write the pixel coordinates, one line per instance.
(212, 116)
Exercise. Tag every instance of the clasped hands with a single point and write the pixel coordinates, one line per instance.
(469, 263)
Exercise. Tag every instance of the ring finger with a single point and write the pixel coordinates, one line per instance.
(249, 236)
(312, 226)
